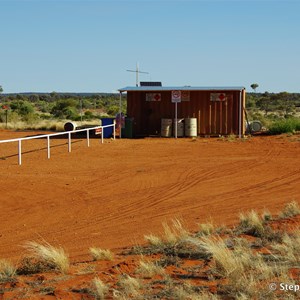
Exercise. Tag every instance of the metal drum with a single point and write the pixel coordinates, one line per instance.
(180, 127)
(70, 126)
(166, 127)
(190, 126)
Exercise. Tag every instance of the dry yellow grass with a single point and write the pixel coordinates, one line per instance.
(130, 288)
(55, 257)
(290, 209)
(7, 269)
(101, 254)
(252, 223)
(149, 269)
(100, 289)
(172, 234)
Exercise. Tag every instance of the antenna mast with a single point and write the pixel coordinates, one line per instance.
(137, 72)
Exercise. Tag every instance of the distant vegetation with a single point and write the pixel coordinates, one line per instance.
(42, 108)
(278, 112)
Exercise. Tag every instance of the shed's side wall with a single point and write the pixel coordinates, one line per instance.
(213, 118)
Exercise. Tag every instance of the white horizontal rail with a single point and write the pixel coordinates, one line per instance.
(68, 133)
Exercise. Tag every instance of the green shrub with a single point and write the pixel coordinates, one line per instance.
(285, 126)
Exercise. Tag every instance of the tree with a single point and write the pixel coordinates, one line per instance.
(1, 89)
(264, 103)
(254, 86)
(65, 108)
(286, 102)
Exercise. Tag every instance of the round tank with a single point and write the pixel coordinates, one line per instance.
(180, 127)
(190, 126)
(166, 127)
(255, 126)
(70, 126)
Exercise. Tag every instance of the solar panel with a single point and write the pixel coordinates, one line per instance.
(150, 83)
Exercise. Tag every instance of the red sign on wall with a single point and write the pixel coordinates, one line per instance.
(218, 97)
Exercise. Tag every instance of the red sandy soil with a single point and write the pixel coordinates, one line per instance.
(110, 195)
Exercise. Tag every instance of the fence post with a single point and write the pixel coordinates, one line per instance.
(69, 141)
(88, 137)
(114, 129)
(102, 135)
(20, 152)
(48, 146)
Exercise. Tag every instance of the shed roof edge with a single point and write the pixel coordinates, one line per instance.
(181, 88)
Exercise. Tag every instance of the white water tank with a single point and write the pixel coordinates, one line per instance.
(190, 127)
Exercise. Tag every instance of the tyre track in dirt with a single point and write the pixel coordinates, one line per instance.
(111, 194)
(152, 197)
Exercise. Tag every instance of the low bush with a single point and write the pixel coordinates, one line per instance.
(289, 125)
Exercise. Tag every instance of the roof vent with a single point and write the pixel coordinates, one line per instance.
(150, 83)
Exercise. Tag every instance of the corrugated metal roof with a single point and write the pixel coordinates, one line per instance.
(180, 88)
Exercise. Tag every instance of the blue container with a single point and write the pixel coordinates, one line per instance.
(107, 132)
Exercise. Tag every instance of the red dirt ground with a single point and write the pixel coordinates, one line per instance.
(111, 195)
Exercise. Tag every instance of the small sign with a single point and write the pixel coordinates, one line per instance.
(176, 96)
(153, 97)
(98, 131)
(218, 97)
(185, 96)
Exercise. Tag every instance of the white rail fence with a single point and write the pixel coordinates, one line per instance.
(69, 133)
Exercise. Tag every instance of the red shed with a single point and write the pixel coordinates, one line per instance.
(216, 110)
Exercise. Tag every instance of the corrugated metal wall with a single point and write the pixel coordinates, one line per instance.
(213, 117)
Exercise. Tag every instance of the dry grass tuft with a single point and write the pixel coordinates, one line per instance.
(100, 289)
(154, 240)
(175, 233)
(246, 272)
(266, 216)
(205, 229)
(290, 210)
(149, 269)
(289, 249)
(171, 236)
(130, 288)
(252, 224)
(7, 270)
(54, 257)
(101, 254)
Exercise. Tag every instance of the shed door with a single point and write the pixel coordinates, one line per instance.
(150, 112)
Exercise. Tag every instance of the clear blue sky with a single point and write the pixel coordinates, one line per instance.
(86, 46)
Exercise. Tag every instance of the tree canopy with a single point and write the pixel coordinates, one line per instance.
(254, 86)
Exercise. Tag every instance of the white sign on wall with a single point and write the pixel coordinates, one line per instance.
(176, 96)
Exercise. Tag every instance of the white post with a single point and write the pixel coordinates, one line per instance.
(240, 116)
(69, 141)
(175, 120)
(88, 137)
(114, 129)
(20, 152)
(48, 146)
(102, 135)
(120, 113)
